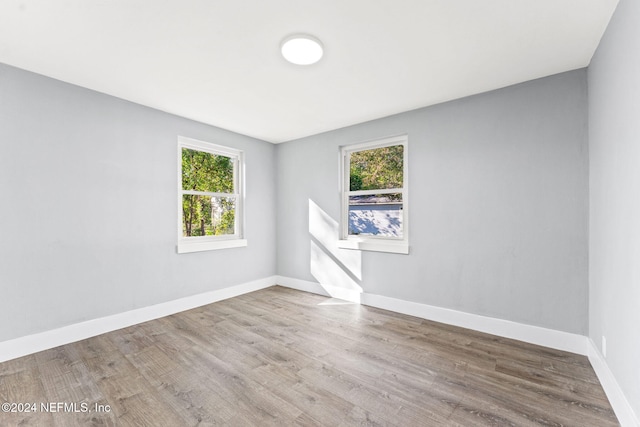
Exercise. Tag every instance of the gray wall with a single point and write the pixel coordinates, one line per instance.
(88, 225)
(614, 232)
(498, 204)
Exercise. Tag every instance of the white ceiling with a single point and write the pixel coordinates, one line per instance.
(218, 61)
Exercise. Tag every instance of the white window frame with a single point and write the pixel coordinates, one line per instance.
(373, 243)
(207, 243)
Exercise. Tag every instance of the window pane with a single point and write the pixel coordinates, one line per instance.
(377, 215)
(208, 216)
(202, 171)
(380, 168)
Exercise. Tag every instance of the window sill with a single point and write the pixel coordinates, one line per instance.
(185, 248)
(375, 245)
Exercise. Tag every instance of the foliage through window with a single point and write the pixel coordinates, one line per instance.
(207, 214)
(210, 197)
(374, 196)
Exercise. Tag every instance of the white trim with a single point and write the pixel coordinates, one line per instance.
(376, 244)
(317, 288)
(301, 285)
(209, 147)
(380, 191)
(373, 243)
(378, 143)
(206, 243)
(209, 193)
(189, 247)
(551, 338)
(30, 344)
(53, 338)
(619, 402)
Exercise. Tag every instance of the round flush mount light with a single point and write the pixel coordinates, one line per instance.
(302, 49)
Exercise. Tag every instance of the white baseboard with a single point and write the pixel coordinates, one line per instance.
(565, 341)
(30, 344)
(619, 403)
(317, 288)
(574, 343)
(551, 338)
(301, 285)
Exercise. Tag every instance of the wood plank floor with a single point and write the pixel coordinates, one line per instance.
(284, 357)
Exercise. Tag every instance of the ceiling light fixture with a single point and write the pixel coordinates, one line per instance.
(302, 49)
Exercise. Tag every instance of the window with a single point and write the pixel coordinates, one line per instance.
(210, 196)
(374, 196)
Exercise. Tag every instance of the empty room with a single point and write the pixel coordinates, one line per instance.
(320, 213)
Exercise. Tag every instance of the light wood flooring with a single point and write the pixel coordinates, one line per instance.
(284, 357)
